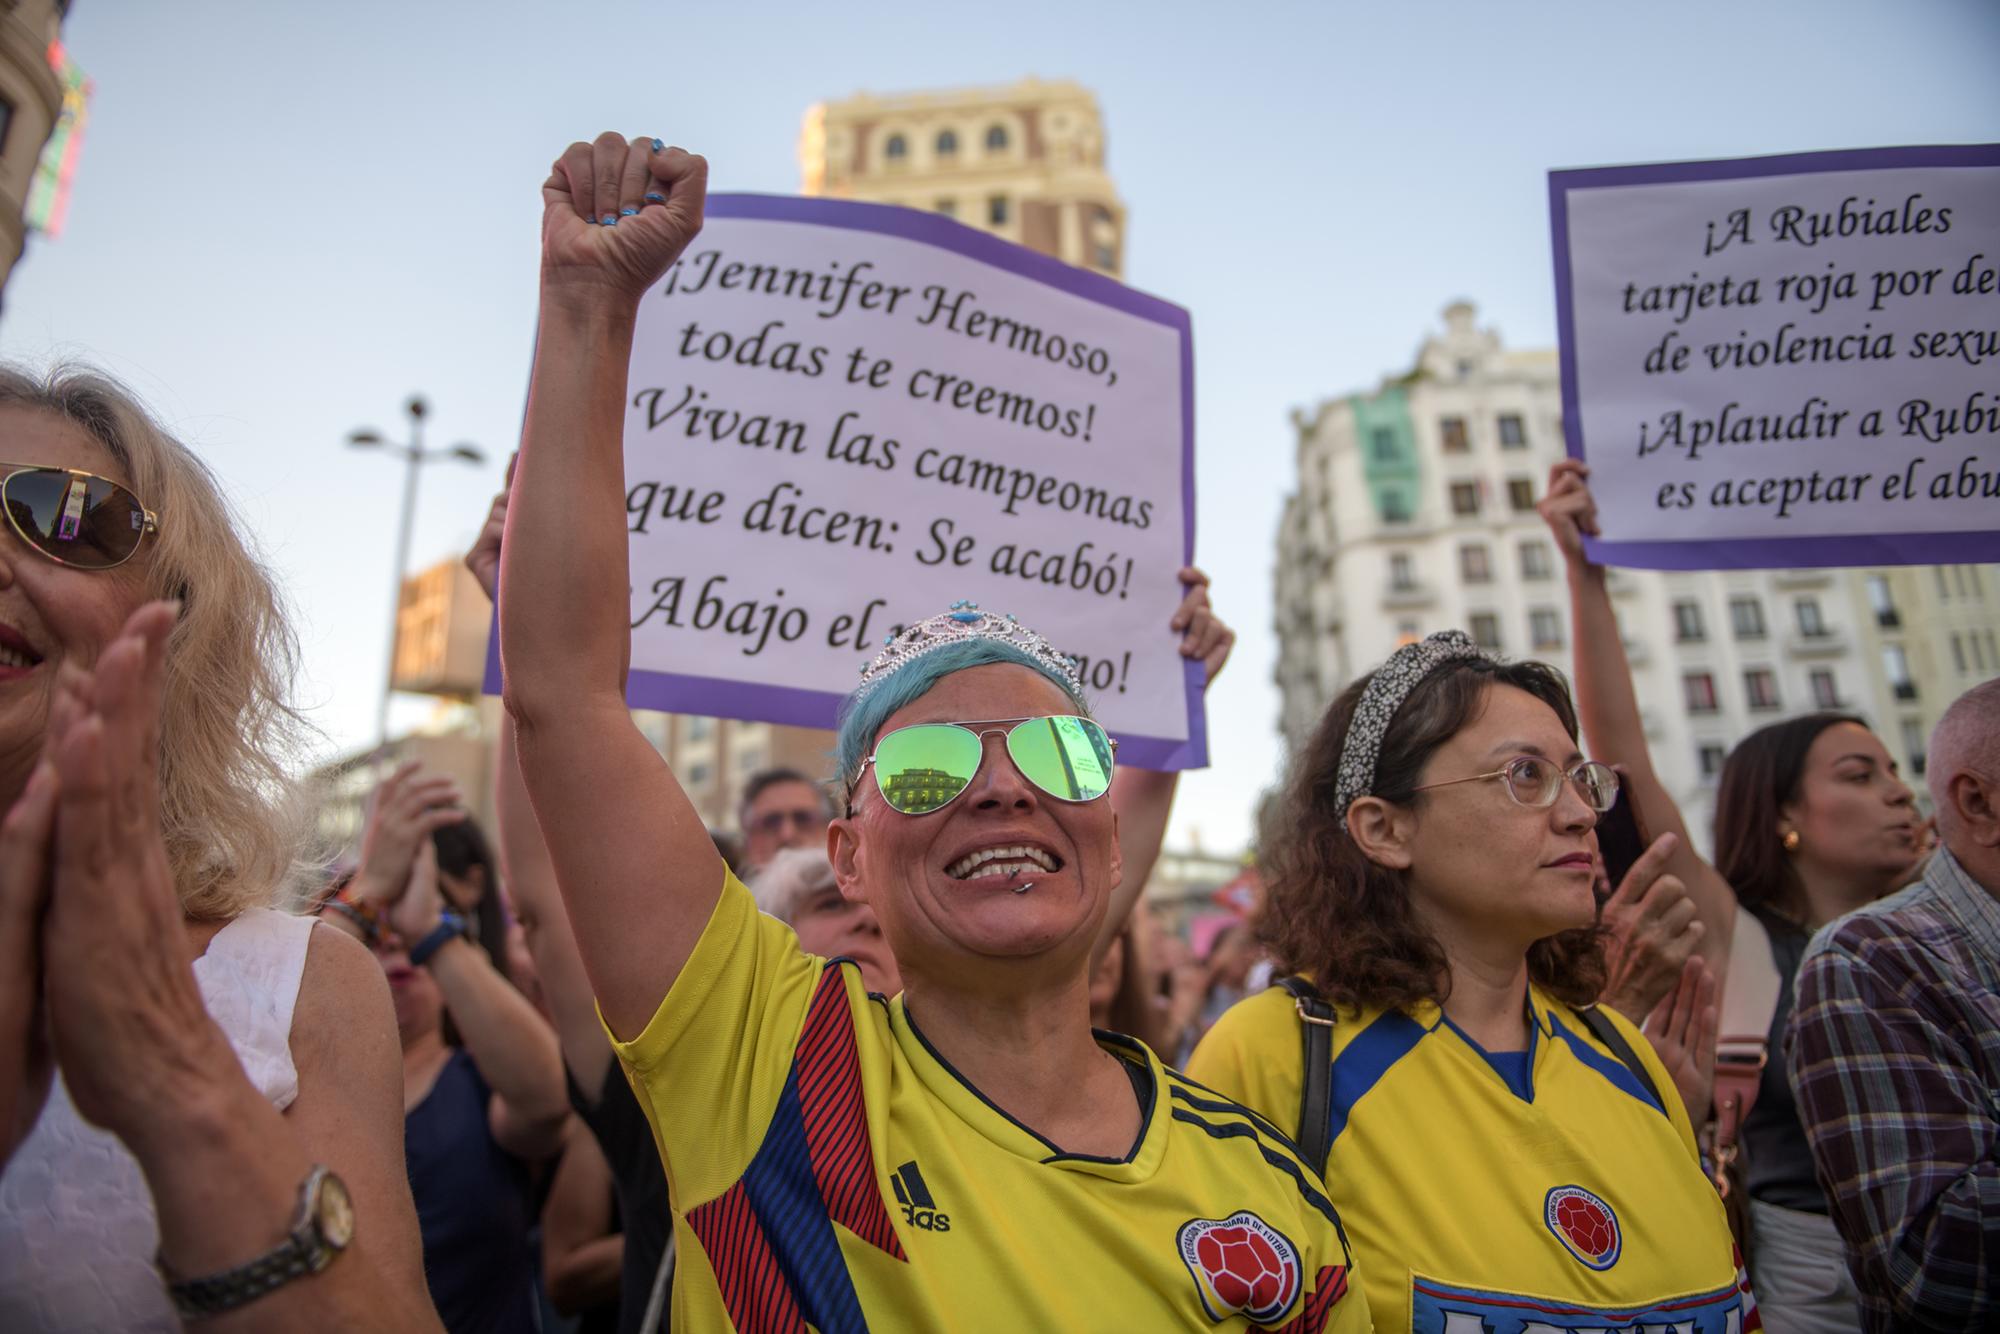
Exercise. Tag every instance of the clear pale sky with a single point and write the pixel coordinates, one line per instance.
(288, 217)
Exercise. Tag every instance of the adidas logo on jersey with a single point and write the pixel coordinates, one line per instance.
(919, 1209)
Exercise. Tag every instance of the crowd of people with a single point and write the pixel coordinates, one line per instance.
(894, 1057)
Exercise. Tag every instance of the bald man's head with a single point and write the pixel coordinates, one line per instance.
(1963, 768)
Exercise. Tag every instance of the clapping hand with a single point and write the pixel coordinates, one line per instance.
(1682, 1030)
(1652, 930)
(417, 913)
(26, 837)
(126, 1020)
(409, 807)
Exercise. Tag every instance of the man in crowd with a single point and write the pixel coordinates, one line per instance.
(1895, 1056)
(782, 808)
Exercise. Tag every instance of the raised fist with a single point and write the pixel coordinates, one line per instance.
(616, 214)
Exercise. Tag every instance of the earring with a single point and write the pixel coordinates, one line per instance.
(1790, 841)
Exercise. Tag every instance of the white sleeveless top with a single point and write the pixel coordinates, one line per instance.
(77, 1228)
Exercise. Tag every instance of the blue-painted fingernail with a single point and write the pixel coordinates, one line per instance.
(656, 198)
(609, 220)
(658, 147)
(628, 212)
(591, 221)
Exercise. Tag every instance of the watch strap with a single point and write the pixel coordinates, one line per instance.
(450, 926)
(302, 1252)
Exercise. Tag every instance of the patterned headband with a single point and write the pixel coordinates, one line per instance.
(1387, 689)
(964, 623)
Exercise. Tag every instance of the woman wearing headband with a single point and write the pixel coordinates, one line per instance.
(967, 1155)
(1500, 1151)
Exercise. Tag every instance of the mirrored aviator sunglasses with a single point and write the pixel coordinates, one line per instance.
(75, 518)
(923, 768)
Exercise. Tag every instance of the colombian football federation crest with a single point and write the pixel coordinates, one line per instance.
(1584, 1224)
(1241, 1266)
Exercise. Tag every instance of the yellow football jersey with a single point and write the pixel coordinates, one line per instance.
(830, 1171)
(1561, 1196)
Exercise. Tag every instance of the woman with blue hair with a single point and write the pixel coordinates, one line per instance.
(967, 1155)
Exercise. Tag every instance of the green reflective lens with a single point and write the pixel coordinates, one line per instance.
(1068, 758)
(921, 768)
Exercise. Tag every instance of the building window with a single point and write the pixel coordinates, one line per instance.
(996, 211)
(1485, 629)
(1883, 604)
(1913, 745)
(1545, 628)
(1698, 690)
(896, 149)
(1382, 443)
(1395, 509)
(1746, 618)
(1402, 574)
(1535, 563)
(1104, 255)
(1521, 494)
(700, 728)
(1761, 685)
(1978, 590)
(1452, 431)
(1978, 652)
(1688, 627)
(1407, 632)
(1826, 690)
(699, 774)
(1473, 565)
(1957, 653)
(1464, 498)
(1944, 590)
(996, 138)
(1710, 757)
(1896, 666)
(1811, 624)
(1513, 435)
(947, 143)
(948, 207)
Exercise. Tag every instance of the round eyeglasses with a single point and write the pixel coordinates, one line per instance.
(1536, 783)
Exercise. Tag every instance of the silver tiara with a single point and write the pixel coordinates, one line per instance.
(1386, 690)
(964, 623)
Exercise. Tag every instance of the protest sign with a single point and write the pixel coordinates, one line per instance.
(842, 417)
(1787, 360)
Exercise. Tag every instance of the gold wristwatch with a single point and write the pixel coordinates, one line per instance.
(321, 1230)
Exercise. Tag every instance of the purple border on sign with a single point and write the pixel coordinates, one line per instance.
(1751, 553)
(672, 692)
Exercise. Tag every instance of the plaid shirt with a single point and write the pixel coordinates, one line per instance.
(1894, 1057)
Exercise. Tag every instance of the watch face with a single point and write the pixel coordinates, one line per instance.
(335, 1212)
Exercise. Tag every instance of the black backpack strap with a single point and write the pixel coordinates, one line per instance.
(1316, 1085)
(1607, 1032)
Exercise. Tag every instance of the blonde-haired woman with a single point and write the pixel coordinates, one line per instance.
(225, 1134)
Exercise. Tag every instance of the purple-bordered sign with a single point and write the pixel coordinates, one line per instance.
(1862, 547)
(723, 696)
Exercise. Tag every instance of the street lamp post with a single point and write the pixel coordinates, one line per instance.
(414, 457)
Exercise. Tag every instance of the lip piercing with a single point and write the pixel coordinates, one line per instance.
(1024, 888)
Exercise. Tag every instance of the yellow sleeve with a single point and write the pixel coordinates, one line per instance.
(1670, 1094)
(711, 1063)
(1252, 1055)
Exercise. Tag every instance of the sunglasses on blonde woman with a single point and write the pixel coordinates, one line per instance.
(74, 518)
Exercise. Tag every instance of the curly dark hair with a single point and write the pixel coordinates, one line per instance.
(1348, 921)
